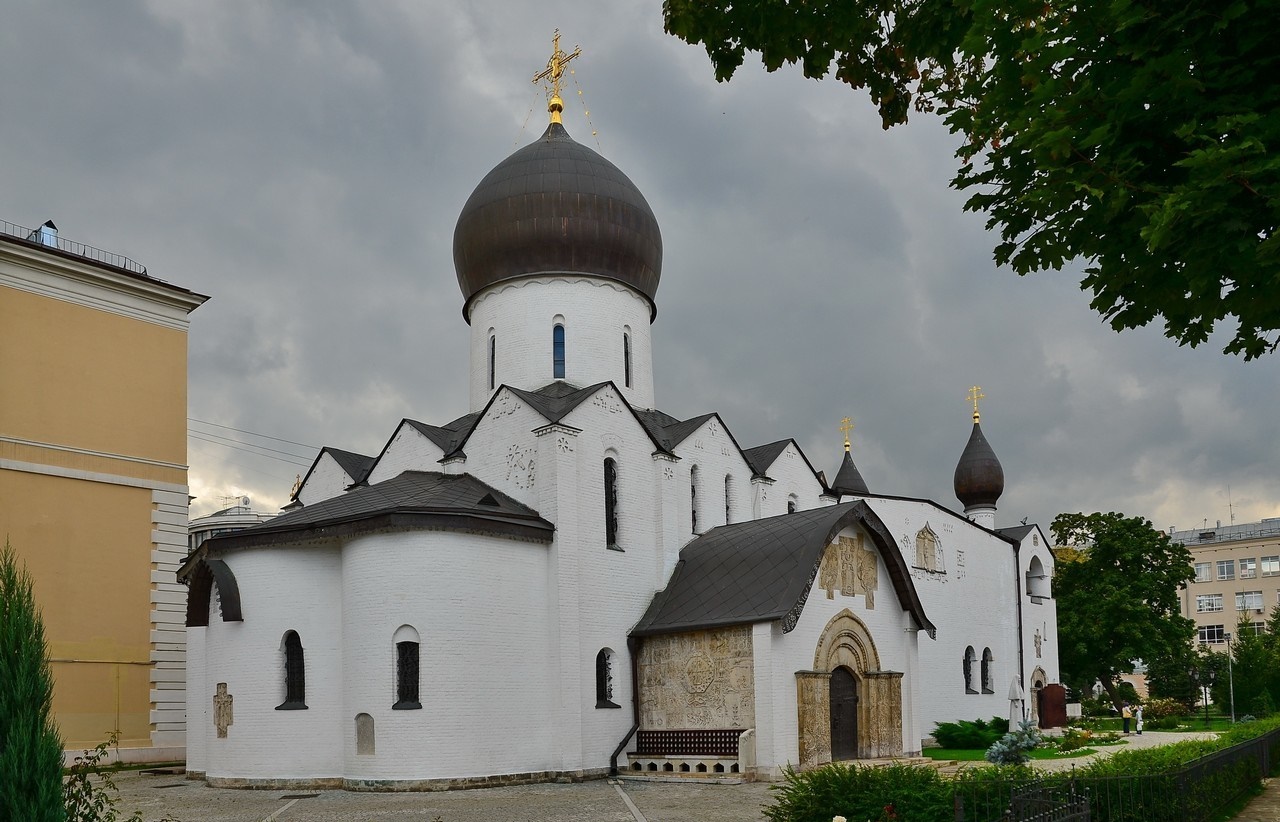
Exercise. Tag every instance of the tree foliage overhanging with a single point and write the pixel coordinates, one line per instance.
(1118, 602)
(1139, 136)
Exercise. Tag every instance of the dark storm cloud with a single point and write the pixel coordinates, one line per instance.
(304, 164)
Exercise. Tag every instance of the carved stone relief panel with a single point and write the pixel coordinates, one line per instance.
(606, 401)
(880, 715)
(702, 679)
(521, 465)
(850, 568)
(223, 716)
(814, 717)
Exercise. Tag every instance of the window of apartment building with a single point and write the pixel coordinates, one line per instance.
(1271, 566)
(1254, 629)
(1248, 600)
(1248, 568)
(1208, 602)
(1212, 633)
(1204, 572)
(1226, 569)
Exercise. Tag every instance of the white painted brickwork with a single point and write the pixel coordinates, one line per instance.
(408, 450)
(326, 480)
(521, 314)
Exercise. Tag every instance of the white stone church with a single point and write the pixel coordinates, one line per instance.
(566, 581)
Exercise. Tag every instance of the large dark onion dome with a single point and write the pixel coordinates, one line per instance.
(979, 479)
(555, 206)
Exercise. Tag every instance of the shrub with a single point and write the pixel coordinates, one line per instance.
(1013, 747)
(970, 735)
(30, 750)
(915, 794)
(1162, 708)
(1262, 704)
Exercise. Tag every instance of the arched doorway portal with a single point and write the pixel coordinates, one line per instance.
(1038, 680)
(843, 699)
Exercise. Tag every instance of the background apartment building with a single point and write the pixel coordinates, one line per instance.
(1237, 575)
(93, 480)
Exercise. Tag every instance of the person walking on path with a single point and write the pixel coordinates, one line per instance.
(1137, 719)
(1127, 713)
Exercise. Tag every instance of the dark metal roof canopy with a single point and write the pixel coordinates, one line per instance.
(979, 479)
(554, 207)
(762, 570)
(849, 481)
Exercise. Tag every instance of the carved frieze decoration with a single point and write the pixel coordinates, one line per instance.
(702, 679)
(849, 567)
(606, 401)
(564, 445)
(960, 572)
(504, 406)
(521, 465)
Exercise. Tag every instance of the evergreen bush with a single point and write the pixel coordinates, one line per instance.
(30, 749)
(1014, 747)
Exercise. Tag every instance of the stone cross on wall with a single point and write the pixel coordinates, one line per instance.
(222, 717)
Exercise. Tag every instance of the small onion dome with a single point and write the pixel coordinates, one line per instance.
(979, 479)
(848, 481)
(555, 207)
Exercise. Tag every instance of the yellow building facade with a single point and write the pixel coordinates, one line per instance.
(93, 481)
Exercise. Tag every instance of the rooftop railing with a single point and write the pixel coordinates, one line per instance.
(50, 239)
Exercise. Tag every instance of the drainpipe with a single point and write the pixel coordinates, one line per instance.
(633, 650)
(1017, 587)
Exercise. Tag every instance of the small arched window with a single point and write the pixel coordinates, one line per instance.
(557, 352)
(792, 504)
(493, 361)
(611, 502)
(407, 669)
(1037, 580)
(626, 359)
(693, 499)
(988, 675)
(295, 675)
(728, 499)
(604, 679)
(969, 658)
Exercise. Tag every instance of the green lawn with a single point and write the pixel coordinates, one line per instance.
(973, 755)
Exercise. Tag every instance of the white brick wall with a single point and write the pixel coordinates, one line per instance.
(326, 480)
(521, 315)
(408, 450)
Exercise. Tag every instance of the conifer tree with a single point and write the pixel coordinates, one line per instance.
(30, 750)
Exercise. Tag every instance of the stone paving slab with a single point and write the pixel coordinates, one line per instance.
(158, 796)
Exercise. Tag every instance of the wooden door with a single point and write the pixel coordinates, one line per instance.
(844, 714)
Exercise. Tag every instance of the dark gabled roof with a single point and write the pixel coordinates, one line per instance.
(762, 456)
(356, 465)
(675, 434)
(762, 570)
(1017, 532)
(448, 437)
(849, 481)
(423, 499)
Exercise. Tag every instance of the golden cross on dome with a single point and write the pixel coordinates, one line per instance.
(846, 425)
(975, 394)
(553, 72)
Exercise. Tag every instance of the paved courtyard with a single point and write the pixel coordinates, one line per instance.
(598, 801)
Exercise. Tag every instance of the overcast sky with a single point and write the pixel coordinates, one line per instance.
(304, 163)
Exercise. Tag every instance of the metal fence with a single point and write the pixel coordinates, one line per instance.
(1194, 793)
(52, 240)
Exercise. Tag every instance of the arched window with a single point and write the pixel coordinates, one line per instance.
(1037, 580)
(407, 669)
(364, 735)
(728, 499)
(493, 361)
(626, 359)
(969, 658)
(792, 504)
(295, 675)
(693, 498)
(988, 675)
(611, 502)
(604, 679)
(557, 352)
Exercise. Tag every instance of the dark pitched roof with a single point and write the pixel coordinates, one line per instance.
(556, 400)
(675, 434)
(762, 456)
(762, 570)
(1017, 532)
(448, 437)
(848, 480)
(429, 499)
(356, 465)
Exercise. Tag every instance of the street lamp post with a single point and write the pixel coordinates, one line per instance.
(1231, 680)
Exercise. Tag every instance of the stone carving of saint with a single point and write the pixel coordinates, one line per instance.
(1039, 641)
(222, 711)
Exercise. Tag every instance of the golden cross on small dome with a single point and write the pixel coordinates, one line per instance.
(846, 425)
(553, 72)
(975, 394)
